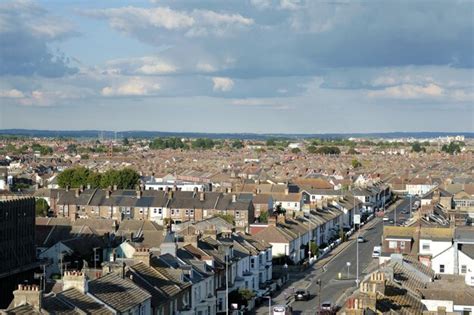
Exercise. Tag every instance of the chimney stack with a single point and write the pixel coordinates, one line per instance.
(139, 194)
(115, 187)
(142, 254)
(77, 192)
(107, 193)
(234, 198)
(201, 196)
(28, 294)
(76, 280)
(287, 191)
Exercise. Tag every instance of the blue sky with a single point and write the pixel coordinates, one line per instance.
(290, 66)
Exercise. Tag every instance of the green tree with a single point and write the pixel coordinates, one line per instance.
(295, 150)
(263, 217)
(73, 177)
(42, 207)
(72, 148)
(125, 141)
(416, 147)
(329, 150)
(203, 143)
(312, 149)
(313, 247)
(451, 148)
(279, 209)
(271, 142)
(356, 163)
(352, 151)
(237, 144)
(45, 150)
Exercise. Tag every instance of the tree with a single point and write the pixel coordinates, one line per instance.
(241, 296)
(416, 147)
(352, 151)
(313, 247)
(356, 163)
(312, 149)
(42, 207)
(329, 150)
(73, 177)
(125, 141)
(203, 143)
(452, 148)
(279, 209)
(271, 142)
(295, 150)
(263, 217)
(72, 148)
(237, 144)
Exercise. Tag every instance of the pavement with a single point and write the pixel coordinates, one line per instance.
(327, 269)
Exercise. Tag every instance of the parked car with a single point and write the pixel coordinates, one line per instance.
(360, 239)
(302, 295)
(376, 252)
(326, 306)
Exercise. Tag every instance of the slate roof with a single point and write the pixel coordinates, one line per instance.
(120, 294)
(84, 302)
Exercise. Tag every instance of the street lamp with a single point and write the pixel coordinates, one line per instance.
(318, 282)
(269, 303)
(226, 285)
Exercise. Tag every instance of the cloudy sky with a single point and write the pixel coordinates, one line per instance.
(290, 66)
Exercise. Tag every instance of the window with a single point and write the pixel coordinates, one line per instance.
(159, 211)
(191, 211)
(186, 212)
(237, 214)
(141, 210)
(296, 204)
(252, 263)
(402, 245)
(463, 268)
(154, 211)
(392, 244)
(441, 268)
(172, 211)
(426, 246)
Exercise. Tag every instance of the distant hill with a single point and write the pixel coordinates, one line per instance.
(248, 136)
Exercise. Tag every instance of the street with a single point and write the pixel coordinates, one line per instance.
(332, 289)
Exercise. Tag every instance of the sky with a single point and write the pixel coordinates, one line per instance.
(263, 66)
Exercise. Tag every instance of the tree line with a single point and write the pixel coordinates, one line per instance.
(76, 177)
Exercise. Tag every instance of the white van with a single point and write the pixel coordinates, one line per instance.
(377, 251)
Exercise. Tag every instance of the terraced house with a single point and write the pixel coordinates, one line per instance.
(158, 206)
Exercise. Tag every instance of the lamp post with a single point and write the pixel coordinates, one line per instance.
(269, 303)
(226, 285)
(318, 282)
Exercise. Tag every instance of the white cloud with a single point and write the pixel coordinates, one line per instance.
(205, 67)
(222, 84)
(13, 93)
(148, 65)
(133, 87)
(289, 4)
(409, 91)
(260, 103)
(135, 20)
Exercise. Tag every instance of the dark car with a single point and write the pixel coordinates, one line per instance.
(302, 295)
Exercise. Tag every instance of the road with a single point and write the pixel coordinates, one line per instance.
(332, 288)
(402, 213)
